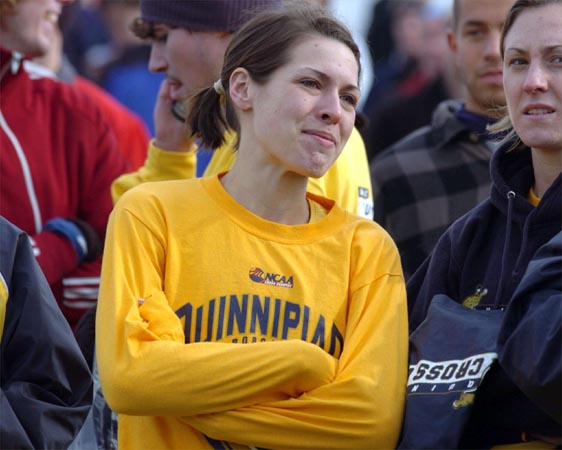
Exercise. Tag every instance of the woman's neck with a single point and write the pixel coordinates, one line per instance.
(547, 165)
(273, 196)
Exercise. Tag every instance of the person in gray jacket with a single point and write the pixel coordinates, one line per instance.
(431, 177)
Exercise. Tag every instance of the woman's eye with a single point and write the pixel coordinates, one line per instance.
(310, 84)
(517, 62)
(557, 59)
(350, 99)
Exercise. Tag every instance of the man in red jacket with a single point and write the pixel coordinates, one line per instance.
(59, 157)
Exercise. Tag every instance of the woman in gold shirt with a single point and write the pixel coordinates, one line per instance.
(194, 269)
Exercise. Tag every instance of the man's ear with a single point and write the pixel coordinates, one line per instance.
(452, 41)
(240, 94)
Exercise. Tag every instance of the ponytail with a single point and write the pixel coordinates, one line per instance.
(206, 118)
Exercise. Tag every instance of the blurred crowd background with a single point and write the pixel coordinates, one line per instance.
(406, 65)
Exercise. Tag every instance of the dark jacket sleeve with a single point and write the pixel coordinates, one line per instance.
(437, 275)
(45, 383)
(530, 342)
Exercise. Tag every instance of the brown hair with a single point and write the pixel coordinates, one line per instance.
(261, 46)
(504, 125)
(7, 6)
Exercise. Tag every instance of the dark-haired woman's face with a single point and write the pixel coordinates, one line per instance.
(533, 76)
(305, 113)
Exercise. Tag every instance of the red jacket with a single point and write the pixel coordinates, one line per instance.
(58, 159)
(128, 127)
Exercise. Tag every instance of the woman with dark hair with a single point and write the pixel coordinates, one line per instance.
(480, 261)
(195, 269)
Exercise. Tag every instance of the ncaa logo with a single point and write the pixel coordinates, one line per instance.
(257, 275)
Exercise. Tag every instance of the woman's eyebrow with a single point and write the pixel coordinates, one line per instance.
(323, 76)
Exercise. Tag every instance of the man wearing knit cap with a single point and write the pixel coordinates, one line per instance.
(189, 39)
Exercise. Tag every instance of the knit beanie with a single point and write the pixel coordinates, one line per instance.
(203, 15)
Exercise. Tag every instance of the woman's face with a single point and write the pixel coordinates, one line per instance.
(303, 115)
(532, 76)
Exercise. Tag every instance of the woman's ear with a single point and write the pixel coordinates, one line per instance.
(240, 82)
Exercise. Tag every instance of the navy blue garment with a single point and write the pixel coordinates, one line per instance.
(445, 372)
(45, 383)
(477, 122)
(530, 341)
(484, 255)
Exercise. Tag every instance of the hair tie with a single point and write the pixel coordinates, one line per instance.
(218, 87)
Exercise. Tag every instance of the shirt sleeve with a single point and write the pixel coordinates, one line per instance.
(530, 338)
(94, 162)
(362, 406)
(50, 247)
(437, 275)
(160, 165)
(132, 342)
